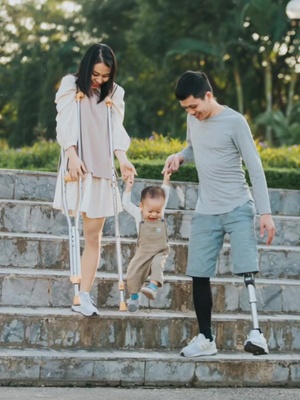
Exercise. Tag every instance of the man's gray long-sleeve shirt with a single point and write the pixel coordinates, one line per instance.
(218, 145)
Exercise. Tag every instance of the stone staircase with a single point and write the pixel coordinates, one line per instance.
(42, 342)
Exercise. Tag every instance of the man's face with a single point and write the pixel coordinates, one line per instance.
(200, 109)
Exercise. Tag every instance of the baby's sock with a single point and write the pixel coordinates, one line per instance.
(152, 286)
(134, 296)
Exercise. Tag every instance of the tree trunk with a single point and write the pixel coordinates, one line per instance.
(239, 88)
(291, 93)
(268, 95)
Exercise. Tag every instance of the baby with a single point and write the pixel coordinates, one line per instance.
(152, 244)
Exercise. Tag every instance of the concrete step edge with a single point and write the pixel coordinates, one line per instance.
(155, 369)
(170, 211)
(110, 239)
(40, 174)
(52, 273)
(153, 314)
(170, 355)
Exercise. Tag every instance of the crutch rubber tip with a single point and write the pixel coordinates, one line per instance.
(123, 306)
(76, 301)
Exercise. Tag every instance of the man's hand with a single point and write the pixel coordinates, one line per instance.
(266, 223)
(173, 163)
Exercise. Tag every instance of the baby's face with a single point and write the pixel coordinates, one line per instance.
(152, 208)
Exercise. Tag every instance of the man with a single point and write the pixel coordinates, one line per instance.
(218, 139)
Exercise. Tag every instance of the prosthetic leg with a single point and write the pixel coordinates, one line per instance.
(249, 282)
(256, 342)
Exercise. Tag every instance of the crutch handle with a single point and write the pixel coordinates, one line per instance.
(68, 178)
(108, 101)
(79, 96)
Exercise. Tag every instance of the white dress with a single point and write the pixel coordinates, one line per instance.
(97, 195)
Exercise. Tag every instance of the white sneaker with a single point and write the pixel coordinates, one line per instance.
(132, 305)
(200, 346)
(86, 307)
(256, 343)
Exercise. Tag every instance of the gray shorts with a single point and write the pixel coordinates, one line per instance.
(207, 236)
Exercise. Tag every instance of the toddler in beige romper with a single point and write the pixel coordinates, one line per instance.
(152, 243)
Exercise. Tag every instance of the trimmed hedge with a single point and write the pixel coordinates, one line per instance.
(281, 165)
(42, 156)
(277, 178)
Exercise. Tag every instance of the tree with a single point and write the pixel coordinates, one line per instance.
(33, 34)
(246, 47)
(270, 32)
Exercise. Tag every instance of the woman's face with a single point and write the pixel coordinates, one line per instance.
(100, 75)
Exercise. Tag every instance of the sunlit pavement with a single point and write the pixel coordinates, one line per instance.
(25, 393)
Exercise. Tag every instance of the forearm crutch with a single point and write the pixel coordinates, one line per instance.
(73, 221)
(117, 227)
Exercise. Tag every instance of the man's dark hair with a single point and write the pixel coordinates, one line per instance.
(97, 53)
(192, 83)
(152, 192)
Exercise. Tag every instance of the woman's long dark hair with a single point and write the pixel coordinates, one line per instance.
(97, 53)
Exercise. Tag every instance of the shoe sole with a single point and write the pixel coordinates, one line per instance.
(255, 350)
(148, 294)
(85, 315)
(132, 309)
(198, 355)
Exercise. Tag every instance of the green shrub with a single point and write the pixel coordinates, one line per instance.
(153, 170)
(282, 157)
(156, 147)
(41, 156)
(281, 178)
(281, 165)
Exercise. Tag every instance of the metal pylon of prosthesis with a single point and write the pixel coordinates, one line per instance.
(249, 282)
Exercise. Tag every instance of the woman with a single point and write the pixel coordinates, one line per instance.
(95, 79)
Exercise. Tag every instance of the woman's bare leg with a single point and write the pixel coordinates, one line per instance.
(92, 231)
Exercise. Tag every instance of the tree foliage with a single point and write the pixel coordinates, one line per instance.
(248, 48)
(39, 43)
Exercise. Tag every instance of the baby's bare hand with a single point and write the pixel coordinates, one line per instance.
(167, 174)
(129, 181)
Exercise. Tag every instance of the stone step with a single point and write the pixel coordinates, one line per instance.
(36, 185)
(49, 367)
(59, 328)
(52, 288)
(49, 251)
(39, 217)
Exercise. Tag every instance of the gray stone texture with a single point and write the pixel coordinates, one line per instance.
(42, 342)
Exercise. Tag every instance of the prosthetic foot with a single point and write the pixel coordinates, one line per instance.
(256, 342)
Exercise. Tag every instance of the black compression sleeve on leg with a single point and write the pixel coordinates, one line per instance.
(203, 302)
